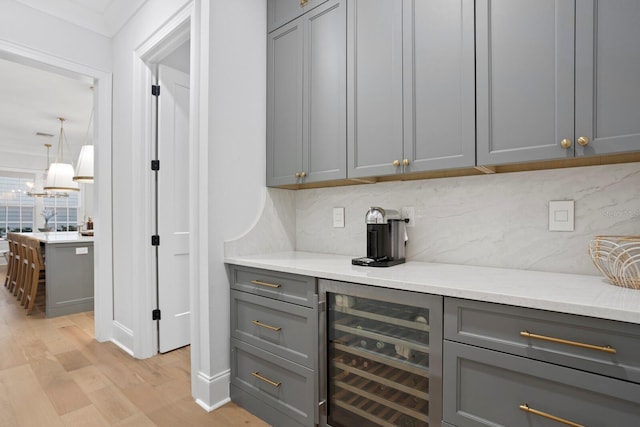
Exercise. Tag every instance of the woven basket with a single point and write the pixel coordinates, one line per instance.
(618, 258)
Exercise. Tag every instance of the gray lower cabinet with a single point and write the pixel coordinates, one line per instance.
(306, 98)
(513, 366)
(410, 86)
(488, 388)
(274, 345)
(279, 12)
(556, 79)
(69, 278)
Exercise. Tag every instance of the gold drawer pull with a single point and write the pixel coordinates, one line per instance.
(269, 285)
(266, 380)
(264, 325)
(606, 348)
(524, 407)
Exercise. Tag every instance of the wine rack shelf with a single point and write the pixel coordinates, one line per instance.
(379, 362)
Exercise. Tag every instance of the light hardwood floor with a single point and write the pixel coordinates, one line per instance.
(54, 373)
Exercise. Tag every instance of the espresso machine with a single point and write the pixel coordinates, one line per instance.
(386, 238)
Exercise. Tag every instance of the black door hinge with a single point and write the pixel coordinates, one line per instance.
(155, 165)
(155, 314)
(155, 90)
(155, 240)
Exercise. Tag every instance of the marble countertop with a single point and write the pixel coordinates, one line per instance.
(567, 293)
(53, 237)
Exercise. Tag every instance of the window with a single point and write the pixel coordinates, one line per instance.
(20, 212)
(66, 209)
(16, 207)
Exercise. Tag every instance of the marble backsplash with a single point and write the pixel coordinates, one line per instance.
(496, 220)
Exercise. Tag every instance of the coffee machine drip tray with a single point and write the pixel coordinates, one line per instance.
(380, 262)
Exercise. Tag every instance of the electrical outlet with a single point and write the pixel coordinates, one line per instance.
(409, 213)
(338, 217)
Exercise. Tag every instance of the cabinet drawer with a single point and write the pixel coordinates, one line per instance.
(487, 388)
(500, 327)
(281, 286)
(279, 12)
(287, 330)
(281, 384)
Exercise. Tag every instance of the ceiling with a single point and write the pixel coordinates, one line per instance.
(31, 100)
(104, 17)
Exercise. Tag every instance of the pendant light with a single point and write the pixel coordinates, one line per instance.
(84, 167)
(37, 190)
(60, 175)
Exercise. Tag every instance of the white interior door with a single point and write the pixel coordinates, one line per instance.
(173, 209)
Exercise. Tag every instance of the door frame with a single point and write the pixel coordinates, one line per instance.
(102, 195)
(180, 28)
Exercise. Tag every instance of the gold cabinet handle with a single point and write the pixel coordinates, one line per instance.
(297, 174)
(583, 140)
(264, 325)
(268, 285)
(606, 348)
(405, 162)
(303, 174)
(565, 143)
(396, 163)
(524, 407)
(266, 380)
(303, 3)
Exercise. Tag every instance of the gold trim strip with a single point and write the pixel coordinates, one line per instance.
(524, 407)
(264, 325)
(606, 348)
(269, 285)
(266, 380)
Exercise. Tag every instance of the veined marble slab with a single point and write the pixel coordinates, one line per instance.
(566, 293)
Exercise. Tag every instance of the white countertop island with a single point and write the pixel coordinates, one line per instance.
(59, 237)
(567, 293)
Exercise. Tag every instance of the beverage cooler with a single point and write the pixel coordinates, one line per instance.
(381, 357)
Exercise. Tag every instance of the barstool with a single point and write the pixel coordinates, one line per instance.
(24, 269)
(16, 273)
(36, 274)
(7, 279)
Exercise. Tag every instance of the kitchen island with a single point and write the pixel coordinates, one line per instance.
(68, 270)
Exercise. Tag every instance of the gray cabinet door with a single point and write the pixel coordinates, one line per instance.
(525, 80)
(439, 84)
(325, 93)
(608, 76)
(284, 104)
(374, 82)
(279, 12)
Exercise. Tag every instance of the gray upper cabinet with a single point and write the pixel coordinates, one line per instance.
(525, 80)
(607, 77)
(306, 98)
(411, 86)
(439, 85)
(530, 57)
(279, 12)
(374, 79)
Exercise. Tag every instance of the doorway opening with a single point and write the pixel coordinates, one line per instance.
(99, 196)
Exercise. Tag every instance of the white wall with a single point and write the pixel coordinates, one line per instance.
(130, 270)
(29, 27)
(236, 160)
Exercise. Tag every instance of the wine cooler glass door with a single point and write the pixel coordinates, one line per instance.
(383, 358)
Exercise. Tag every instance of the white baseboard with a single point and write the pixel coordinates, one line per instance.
(211, 392)
(122, 337)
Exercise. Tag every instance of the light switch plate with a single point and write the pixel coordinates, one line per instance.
(561, 215)
(338, 217)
